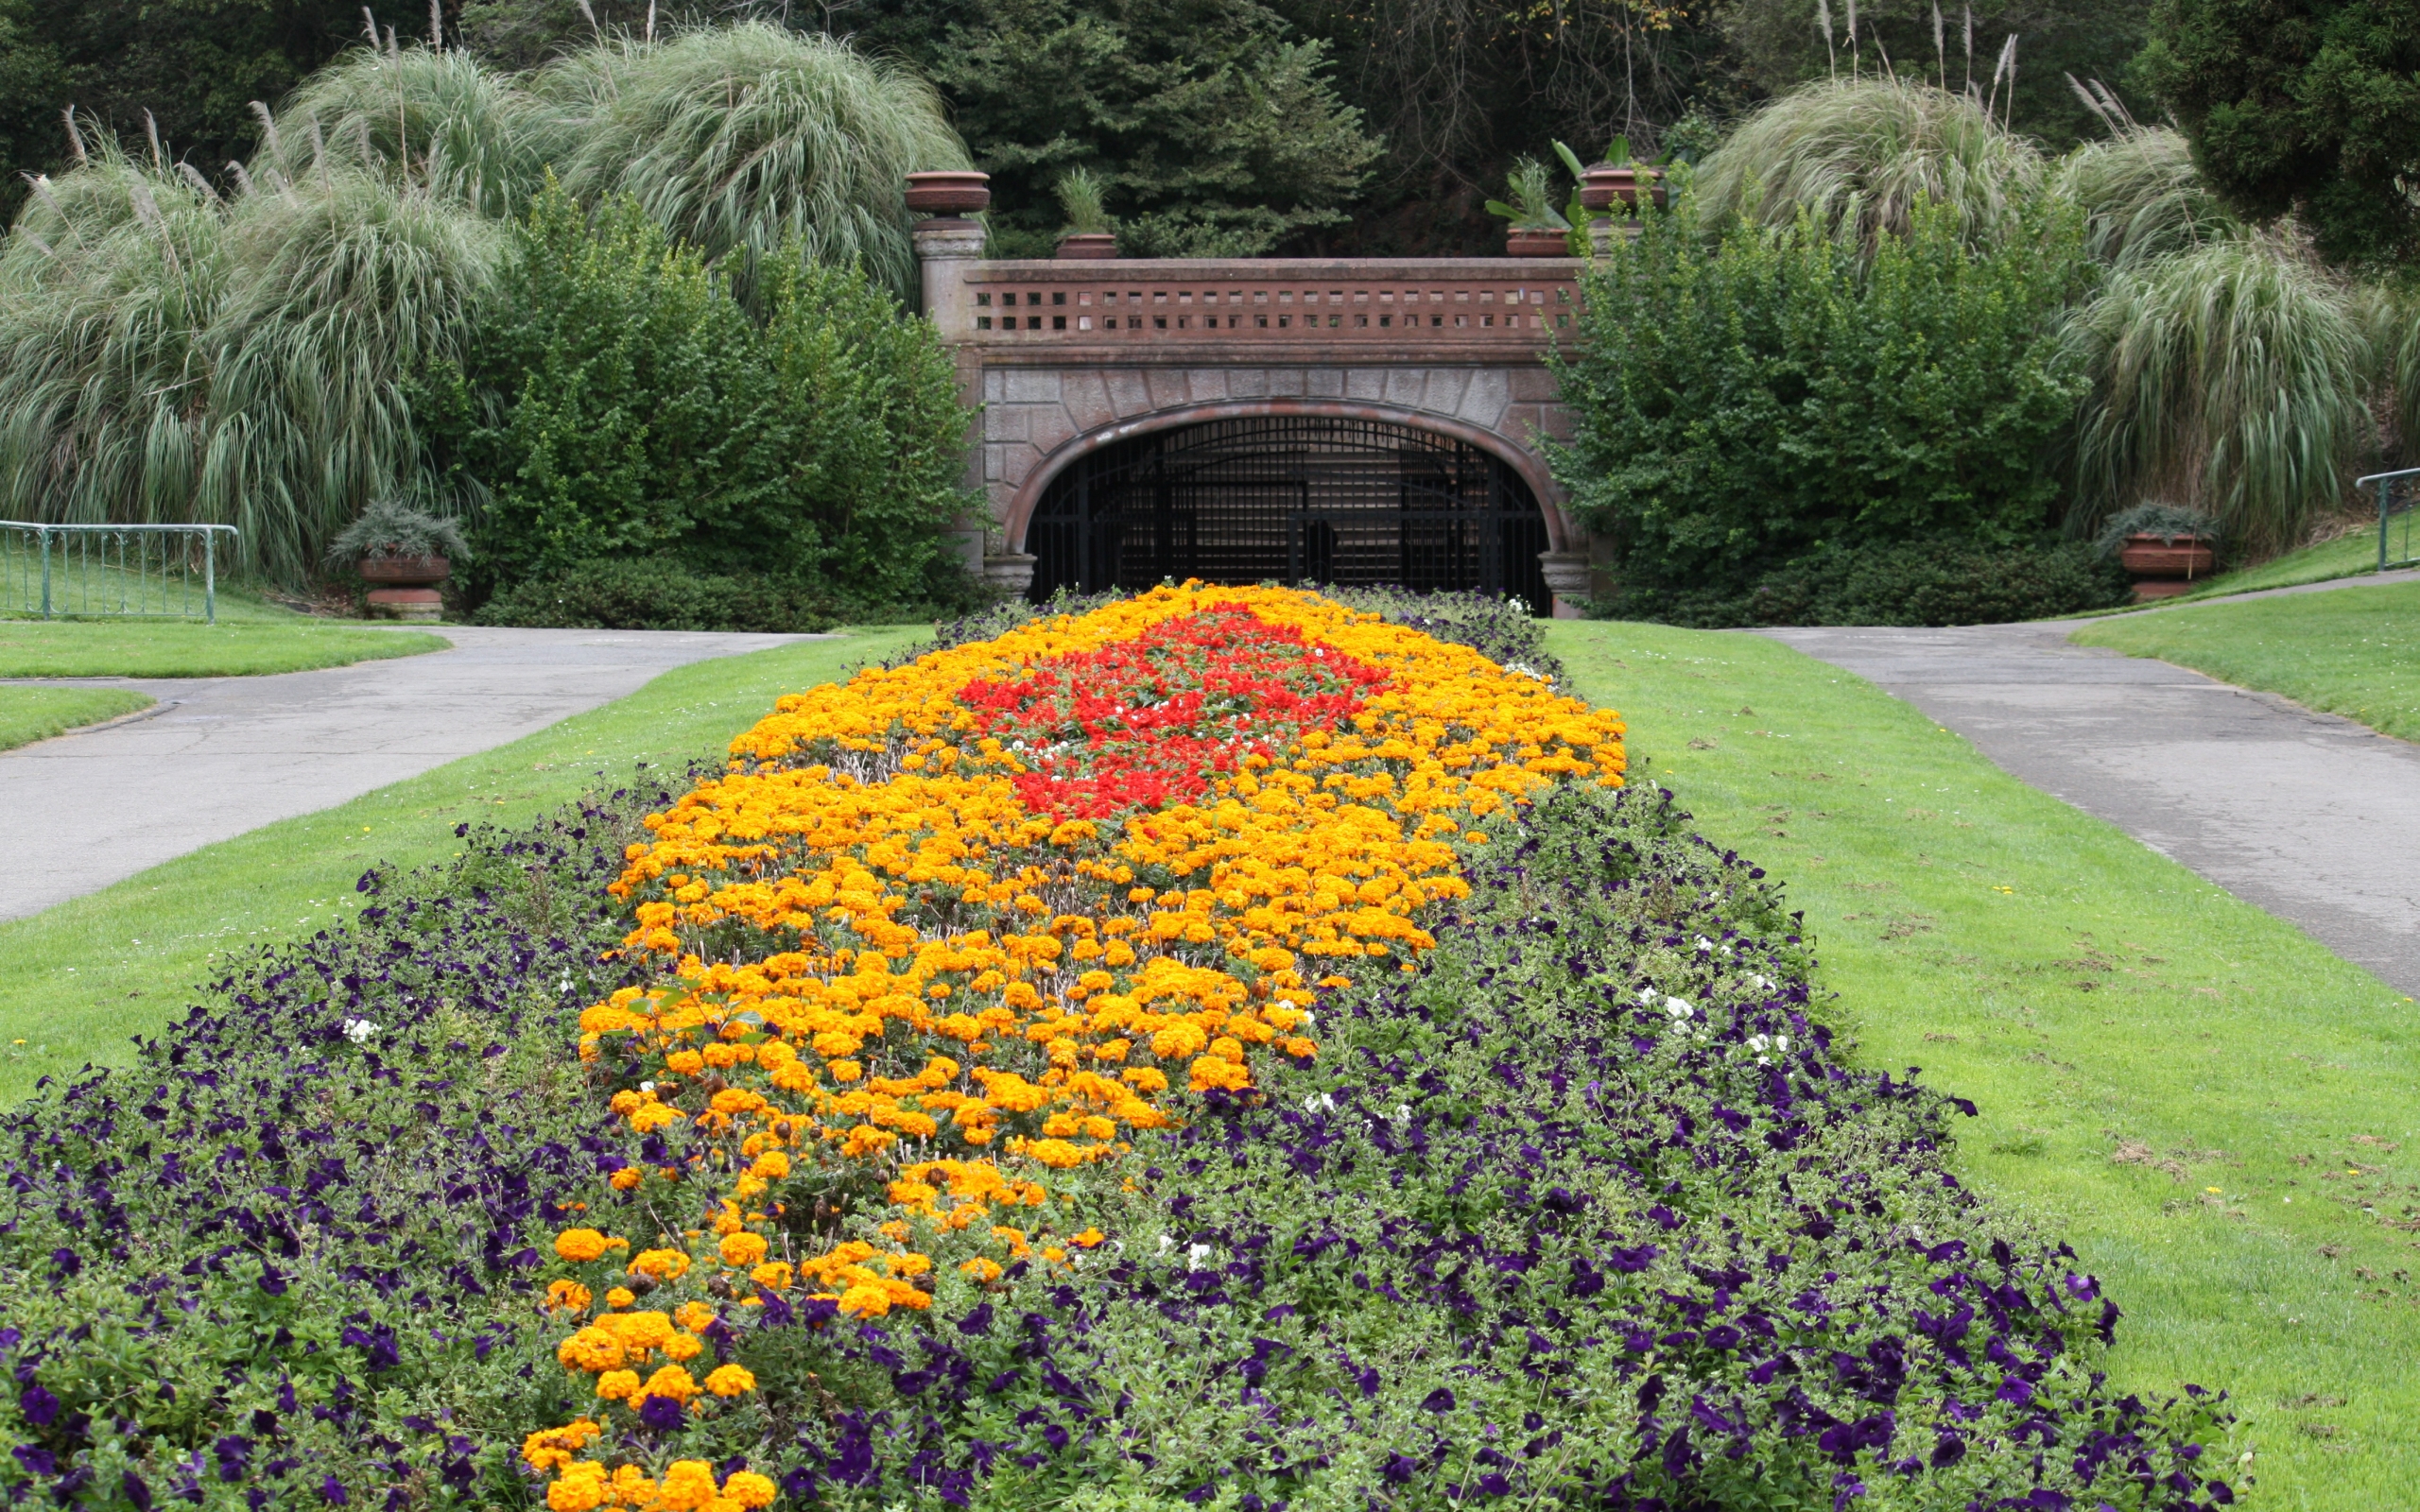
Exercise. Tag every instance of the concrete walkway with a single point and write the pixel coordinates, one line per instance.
(2314, 817)
(218, 756)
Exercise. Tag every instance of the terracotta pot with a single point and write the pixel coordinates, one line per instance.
(952, 193)
(1521, 243)
(1603, 185)
(406, 571)
(406, 604)
(1087, 246)
(2153, 557)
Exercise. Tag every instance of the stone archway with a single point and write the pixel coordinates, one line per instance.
(1252, 493)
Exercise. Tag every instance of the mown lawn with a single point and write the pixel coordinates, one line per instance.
(2214, 1109)
(78, 980)
(27, 714)
(181, 648)
(2350, 651)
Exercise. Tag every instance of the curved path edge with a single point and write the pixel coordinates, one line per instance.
(215, 757)
(2312, 817)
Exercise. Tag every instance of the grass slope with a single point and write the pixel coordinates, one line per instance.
(78, 980)
(2348, 651)
(27, 714)
(175, 649)
(2201, 1099)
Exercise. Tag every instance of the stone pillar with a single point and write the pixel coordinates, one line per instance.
(947, 247)
(1566, 575)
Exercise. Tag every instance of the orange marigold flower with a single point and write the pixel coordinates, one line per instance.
(579, 1246)
(664, 1264)
(627, 1177)
(567, 1296)
(742, 1249)
(693, 1316)
(750, 1491)
(616, 1386)
(730, 1380)
(670, 1381)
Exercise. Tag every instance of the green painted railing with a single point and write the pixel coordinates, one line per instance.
(111, 572)
(2390, 511)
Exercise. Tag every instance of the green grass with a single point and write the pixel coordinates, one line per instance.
(2350, 651)
(179, 648)
(2095, 999)
(78, 980)
(27, 714)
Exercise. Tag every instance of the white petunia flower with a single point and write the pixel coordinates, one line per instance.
(359, 1030)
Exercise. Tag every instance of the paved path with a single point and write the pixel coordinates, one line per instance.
(2314, 817)
(219, 756)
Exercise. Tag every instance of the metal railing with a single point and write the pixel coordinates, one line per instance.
(111, 572)
(2387, 510)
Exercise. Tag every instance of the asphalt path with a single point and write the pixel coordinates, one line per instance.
(218, 756)
(2313, 818)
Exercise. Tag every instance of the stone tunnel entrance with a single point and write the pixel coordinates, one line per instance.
(1290, 498)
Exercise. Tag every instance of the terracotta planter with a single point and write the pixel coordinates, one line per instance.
(1087, 246)
(1520, 243)
(2164, 571)
(406, 572)
(1603, 185)
(952, 193)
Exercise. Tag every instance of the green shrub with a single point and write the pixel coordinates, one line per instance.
(1740, 409)
(1946, 581)
(618, 403)
(655, 594)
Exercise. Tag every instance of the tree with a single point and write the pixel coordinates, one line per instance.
(2308, 105)
(1213, 130)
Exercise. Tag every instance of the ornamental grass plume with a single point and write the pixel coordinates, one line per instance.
(2236, 378)
(1858, 155)
(738, 139)
(441, 121)
(2141, 196)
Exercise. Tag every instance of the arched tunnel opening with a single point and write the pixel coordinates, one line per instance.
(1290, 498)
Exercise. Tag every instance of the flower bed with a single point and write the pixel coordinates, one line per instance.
(1219, 1048)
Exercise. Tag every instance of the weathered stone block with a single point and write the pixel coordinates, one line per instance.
(1032, 386)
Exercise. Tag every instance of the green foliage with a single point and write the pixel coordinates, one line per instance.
(1948, 580)
(742, 140)
(619, 402)
(2311, 106)
(2141, 196)
(389, 527)
(1779, 45)
(1532, 203)
(1080, 196)
(1859, 154)
(2235, 377)
(657, 593)
(444, 121)
(1736, 410)
(2171, 522)
(1215, 127)
(173, 354)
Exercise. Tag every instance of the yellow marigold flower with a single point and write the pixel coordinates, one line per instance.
(693, 1316)
(578, 1492)
(567, 1296)
(620, 1297)
(865, 1300)
(771, 1166)
(670, 1381)
(579, 1246)
(683, 1347)
(981, 1268)
(664, 1264)
(773, 1276)
(730, 1380)
(749, 1489)
(688, 1485)
(742, 1249)
(616, 1386)
(627, 1177)
(552, 1447)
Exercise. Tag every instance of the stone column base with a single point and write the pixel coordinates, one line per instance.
(1566, 575)
(1010, 573)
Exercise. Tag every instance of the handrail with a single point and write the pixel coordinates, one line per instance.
(2382, 479)
(127, 586)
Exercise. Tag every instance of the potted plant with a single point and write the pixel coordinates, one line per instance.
(1090, 234)
(1537, 229)
(1615, 178)
(2165, 546)
(403, 554)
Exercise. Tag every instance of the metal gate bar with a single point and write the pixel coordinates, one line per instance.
(1290, 498)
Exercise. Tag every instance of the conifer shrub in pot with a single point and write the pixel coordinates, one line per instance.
(405, 553)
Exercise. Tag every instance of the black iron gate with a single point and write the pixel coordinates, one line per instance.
(1290, 498)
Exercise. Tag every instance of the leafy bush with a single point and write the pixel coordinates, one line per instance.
(1736, 410)
(618, 402)
(1948, 580)
(655, 594)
